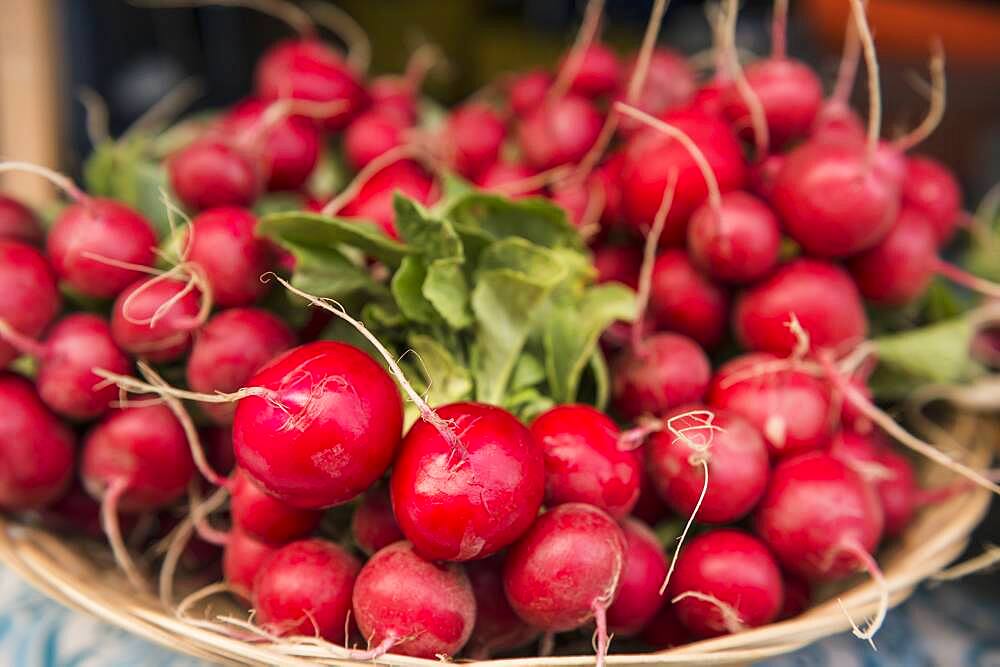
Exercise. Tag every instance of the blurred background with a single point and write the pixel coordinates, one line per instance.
(133, 53)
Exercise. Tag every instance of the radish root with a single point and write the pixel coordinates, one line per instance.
(869, 564)
(23, 344)
(95, 111)
(390, 157)
(584, 38)
(649, 258)
(874, 90)
(758, 120)
(779, 29)
(602, 640)
(731, 620)
(935, 111)
(112, 528)
(62, 182)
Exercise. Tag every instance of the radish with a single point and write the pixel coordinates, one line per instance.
(289, 146)
(241, 561)
(374, 199)
(638, 597)
(373, 525)
(651, 155)
(735, 455)
(498, 629)
(502, 175)
(567, 570)
(819, 294)
(413, 606)
(19, 223)
(490, 461)
(790, 408)
(154, 318)
(726, 581)
(211, 171)
(665, 371)
(763, 174)
(304, 588)
(558, 132)
(798, 596)
(317, 425)
(684, 301)
(665, 631)
(29, 299)
(527, 91)
(395, 97)
(307, 69)
(370, 135)
(668, 83)
(74, 346)
(736, 240)
(265, 518)
(597, 72)
(898, 269)
(650, 507)
(620, 264)
(836, 119)
(931, 188)
(223, 242)
(473, 134)
(583, 463)
(229, 349)
(583, 202)
(218, 443)
(36, 450)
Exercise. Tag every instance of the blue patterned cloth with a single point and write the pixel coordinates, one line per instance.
(951, 625)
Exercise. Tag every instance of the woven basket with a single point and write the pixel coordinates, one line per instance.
(935, 538)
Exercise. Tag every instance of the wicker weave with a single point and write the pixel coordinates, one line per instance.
(935, 538)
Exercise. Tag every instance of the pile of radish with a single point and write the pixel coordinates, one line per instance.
(645, 313)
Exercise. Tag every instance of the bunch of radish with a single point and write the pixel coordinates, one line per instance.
(157, 390)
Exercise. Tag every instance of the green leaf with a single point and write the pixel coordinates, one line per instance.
(446, 380)
(407, 289)
(431, 237)
(278, 202)
(327, 272)
(313, 230)
(938, 353)
(534, 219)
(527, 403)
(602, 379)
(528, 372)
(446, 288)
(572, 331)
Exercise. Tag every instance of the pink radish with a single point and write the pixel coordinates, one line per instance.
(650, 507)
(370, 135)
(289, 147)
(212, 171)
(498, 629)
(638, 597)
(665, 631)
(395, 97)
(669, 83)
(820, 294)
(473, 134)
(558, 132)
(684, 301)
(597, 73)
(898, 269)
(242, 558)
(264, 517)
(304, 588)
(798, 596)
(567, 570)
(374, 199)
(154, 318)
(527, 91)
(29, 299)
(223, 242)
(229, 349)
(373, 525)
(618, 264)
(608, 176)
(319, 424)
(790, 408)
(19, 223)
(665, 371)
(413, 606)
(491, 461)
(36, 450)
(726, 581)
(931, 188)
(762, 175)
(736, 458)
(502, 175)
(736, 241)
(836, 119)
(583, 462)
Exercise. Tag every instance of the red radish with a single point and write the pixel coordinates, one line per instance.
(665, 631)
(473, 134)
(218, 443)
(77, 512)
(289, 147)
(370, 135)
(836, 119)
(650, 507)
(819, 516)
(373, 525)
(223, 242)
(762, 175)
(608, 175)
(242, 558)
(304, 588)
(321, 425)
(558, 132)
(65, 380)
(597, 72)
(211, 172)
(413, 606)
(736, 242)
(669, 83)
(638, 597)
(583, 463)
(618, 264)
(374, 199)
(579, 200)
(726, 581)
(684, 301)
(898, 269)
(36, 450)
(820, 294)
(798, 596)
(931, 188)
(498, 629)
(19, 223)
(708, 98)
(527, 91)
(665, 371)
(495, 463)
(264, 517)
(154, 318)
(501, 175)
(651, 156)
(735, 455)
(229, 349)
(307, 69)
(790, 408)
(29, 298)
